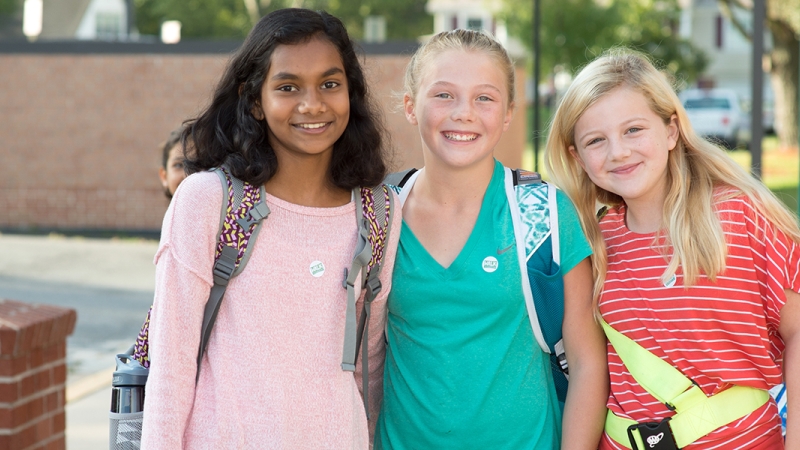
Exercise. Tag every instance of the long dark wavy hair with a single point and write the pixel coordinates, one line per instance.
(227, 133)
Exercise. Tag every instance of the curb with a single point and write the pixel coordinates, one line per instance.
(89, 384)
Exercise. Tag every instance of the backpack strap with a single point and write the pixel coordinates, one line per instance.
(399, 179)
(522, 198)
(696, 415)
(243, 210)
(373, 215)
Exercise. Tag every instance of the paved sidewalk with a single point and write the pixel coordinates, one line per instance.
(110, 283)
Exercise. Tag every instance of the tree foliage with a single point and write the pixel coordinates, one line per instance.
(405, 19)
(9, 7)
(199, 18)
(573, 32)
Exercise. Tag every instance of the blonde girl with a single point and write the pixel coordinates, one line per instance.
(463, 369)
(695, 260)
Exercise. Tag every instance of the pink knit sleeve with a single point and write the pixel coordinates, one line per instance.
(183, 280)
(377, 325)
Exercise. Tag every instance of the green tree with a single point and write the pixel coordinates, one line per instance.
(573, 32)
(9, 7)
(405, 19)
(783, 22)
(199, 18)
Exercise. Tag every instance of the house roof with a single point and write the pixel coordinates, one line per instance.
(61, 18)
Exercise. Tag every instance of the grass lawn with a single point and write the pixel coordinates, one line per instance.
(780, 168)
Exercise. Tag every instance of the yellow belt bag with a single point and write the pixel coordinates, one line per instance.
(696, 414)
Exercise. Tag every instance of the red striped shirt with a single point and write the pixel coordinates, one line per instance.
(716, 333)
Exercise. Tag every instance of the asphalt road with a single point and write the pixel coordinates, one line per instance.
(108, 282)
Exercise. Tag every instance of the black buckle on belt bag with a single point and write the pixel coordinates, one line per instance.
(655, 436)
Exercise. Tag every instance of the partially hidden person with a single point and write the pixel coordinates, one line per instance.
(171, 173)
(291, 113)
(697, 266)
(173, 157)
(463, 368)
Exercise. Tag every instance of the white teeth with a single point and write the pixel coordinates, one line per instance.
(311, 126)
(461, 137)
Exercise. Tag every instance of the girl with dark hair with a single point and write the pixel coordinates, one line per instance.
(291, 113)
(172, 172)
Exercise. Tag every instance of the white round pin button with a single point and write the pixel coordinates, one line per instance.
(317, 269)
(490, 264)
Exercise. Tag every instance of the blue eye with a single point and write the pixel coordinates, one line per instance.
(593, 141)
(443, 95)
(634, 129)
(484, 98)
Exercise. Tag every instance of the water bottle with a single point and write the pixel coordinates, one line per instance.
(127, 404)
(127, 386)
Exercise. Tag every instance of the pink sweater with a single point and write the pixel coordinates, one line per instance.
(272, 376)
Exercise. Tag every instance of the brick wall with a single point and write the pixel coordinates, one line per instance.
(79, 132)
(33, 373)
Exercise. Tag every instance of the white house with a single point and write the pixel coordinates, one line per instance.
(473, 15)
(730, 54)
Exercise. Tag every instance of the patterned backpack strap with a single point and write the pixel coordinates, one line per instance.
(536, 218)
(141, 349)
(243, 210)
(373, 216)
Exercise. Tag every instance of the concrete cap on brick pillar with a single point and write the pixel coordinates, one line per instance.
(26, 326)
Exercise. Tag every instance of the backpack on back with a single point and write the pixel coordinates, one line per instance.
(242, 213)
(535, 217)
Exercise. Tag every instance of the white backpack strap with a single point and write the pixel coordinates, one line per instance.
(405, 189)
(520, 233)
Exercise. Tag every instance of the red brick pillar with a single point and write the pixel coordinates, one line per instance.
(33, 375)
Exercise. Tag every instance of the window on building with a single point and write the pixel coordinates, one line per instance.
(475, 24)
(108, 25)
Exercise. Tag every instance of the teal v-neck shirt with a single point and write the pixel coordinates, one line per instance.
(462, 367)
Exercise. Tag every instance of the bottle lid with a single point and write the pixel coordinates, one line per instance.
(129, 372)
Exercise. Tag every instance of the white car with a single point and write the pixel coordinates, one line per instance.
(716, 114)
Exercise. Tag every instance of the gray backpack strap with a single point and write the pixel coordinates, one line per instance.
(399, 179)
(360, 262)
(369, 262)
(225, 266)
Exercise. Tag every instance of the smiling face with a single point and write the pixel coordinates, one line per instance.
(461, 108)
(304, 99)
(623, 146)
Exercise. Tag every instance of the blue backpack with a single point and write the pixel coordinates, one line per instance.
(535, 217)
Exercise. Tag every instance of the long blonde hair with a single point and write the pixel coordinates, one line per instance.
(695, 169)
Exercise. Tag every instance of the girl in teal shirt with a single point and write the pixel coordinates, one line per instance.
(463, 369)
